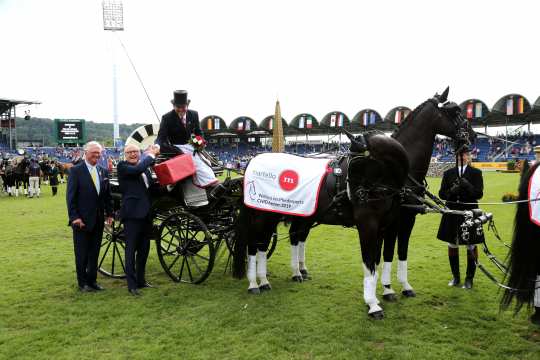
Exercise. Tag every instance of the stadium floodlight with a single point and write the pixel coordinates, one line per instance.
(113, 15)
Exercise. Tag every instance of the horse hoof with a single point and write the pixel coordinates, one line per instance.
(254, 291)
(265, 287)
(377, 315)
(305, 275)
(297, 278)
(408, 293)
(390, 297)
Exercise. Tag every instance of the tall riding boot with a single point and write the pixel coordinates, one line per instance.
(472, 256)
(453, 257)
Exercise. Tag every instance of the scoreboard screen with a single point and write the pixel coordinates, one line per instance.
(70, 131)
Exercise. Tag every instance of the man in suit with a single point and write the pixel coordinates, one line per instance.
(175, 130)
(461, 184)
(88, 202)
(135, 180)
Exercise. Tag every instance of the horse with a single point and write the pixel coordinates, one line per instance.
(417, 135)
(20, 173)
(523, 262)
(370, 203)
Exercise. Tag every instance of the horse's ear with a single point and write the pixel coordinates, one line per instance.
(444, 95)
(349, 135)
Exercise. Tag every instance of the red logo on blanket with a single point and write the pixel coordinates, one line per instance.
(288, 180)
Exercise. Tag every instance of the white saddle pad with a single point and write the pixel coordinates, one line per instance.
(284, 183)
(534, 193)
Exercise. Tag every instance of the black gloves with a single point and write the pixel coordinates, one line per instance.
(466, 185)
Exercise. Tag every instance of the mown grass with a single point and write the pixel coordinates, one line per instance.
(43, 316)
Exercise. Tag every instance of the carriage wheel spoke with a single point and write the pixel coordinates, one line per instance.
(174, 262)
(189, 270)
(113, 257)
(182, 268)
(120, 259)
(104, 254)
(197, 255)
(197, 265)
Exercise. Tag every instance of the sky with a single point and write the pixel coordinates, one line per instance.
(236, 57)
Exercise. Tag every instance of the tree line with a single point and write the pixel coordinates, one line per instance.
(40, 130)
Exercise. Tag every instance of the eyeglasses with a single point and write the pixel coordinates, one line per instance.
(131, 152)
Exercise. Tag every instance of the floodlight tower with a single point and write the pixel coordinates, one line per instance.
(113, 20)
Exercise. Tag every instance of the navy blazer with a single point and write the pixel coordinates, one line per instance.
(136, 200)
(82, 198)
(173, 131)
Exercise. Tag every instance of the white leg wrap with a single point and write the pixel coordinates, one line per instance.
(537, 292)
(16, 191)
(402, 275)
(294, 261)
(386, 273)
(38, 191)
(302, 255)
(261, 267)
(370, 286)
(251, 271)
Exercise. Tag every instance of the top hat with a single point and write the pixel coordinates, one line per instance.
(180, 98)
(464, 149)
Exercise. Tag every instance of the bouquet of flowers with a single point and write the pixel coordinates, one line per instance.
(198, 142)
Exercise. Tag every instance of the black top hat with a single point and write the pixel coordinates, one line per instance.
(180, 98)
(464, 149)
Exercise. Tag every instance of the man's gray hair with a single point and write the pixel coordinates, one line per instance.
(91, 144)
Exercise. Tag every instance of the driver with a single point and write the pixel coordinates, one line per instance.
(175, 131)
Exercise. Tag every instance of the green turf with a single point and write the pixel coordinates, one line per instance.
(43, 316)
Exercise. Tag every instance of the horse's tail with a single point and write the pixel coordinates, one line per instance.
(523, 257)
(240, 243)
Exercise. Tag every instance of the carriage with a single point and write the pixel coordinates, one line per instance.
(187, 238)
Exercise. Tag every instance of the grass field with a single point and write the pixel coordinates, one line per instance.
(43, 316)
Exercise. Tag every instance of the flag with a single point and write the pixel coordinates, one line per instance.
(240, 125)
(521, 104)
(216, 124)
(470, 113)
(397, 117)
(333, 120)
(510, 106)
(372, 118)
(478, 110)
(309, 124)
(271, 124)
(248, 125)
(301, 122)
(210, 123)
(340, 120)
(365, 118)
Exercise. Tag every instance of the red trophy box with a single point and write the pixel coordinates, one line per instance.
(173, 170)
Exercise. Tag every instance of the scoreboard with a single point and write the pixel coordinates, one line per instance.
(70, 131)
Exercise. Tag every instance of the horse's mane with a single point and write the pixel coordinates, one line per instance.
(407, 120)
(522, 260)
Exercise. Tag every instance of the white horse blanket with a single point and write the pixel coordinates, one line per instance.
(283, 183)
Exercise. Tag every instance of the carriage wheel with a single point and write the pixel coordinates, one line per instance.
(185, 248)
(111, 256)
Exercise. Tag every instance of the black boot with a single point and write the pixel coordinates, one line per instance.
(535, 318)
(472, 256)
(453, 258)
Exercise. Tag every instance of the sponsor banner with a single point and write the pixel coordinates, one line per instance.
(490, 165)
(284, 183)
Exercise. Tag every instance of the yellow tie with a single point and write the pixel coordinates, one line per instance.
(94, 177)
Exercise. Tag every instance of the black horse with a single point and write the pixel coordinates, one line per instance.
(417, 135)
(370, 203)
(20, 177)
(523, 263)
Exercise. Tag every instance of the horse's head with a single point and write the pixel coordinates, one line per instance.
(357, 143)
(449, 121)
